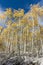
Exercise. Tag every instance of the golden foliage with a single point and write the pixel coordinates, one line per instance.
(23, 27)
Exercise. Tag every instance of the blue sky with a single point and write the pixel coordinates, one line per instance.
(15, 4)
(41, 2)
